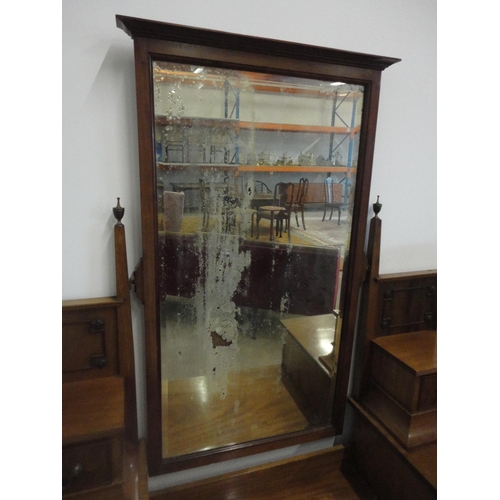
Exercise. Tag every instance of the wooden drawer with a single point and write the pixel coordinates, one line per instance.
(89, 342)
(405, 367)
(91, 464)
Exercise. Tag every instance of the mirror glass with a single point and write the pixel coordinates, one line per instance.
(255, 188)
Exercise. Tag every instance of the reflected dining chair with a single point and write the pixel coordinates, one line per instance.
(259, 194)
(278, 213)
(206, 206)
(299, 201)
(333, 198)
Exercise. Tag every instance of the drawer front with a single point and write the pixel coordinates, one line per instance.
(89, 343)
(394, 378)
(88, 465)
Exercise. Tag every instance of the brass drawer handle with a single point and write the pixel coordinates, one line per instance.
(75, 473)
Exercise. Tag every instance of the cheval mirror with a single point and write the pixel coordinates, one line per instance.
(255, 163)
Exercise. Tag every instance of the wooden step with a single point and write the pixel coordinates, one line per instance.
(317, 475)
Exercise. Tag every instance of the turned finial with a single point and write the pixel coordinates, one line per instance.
(118, 212)
(377, 207)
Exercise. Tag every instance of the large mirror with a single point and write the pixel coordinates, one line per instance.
(255, 171)
(255, 174)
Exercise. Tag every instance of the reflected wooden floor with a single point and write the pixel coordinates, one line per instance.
(318, 232)
(256, 405)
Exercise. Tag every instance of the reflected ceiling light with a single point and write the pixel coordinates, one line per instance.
(337, 83)
(198, 70)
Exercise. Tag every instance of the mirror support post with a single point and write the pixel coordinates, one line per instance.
(124, 318)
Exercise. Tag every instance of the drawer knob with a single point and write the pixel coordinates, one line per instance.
(96, 325)
(98, 361)
(75, 473)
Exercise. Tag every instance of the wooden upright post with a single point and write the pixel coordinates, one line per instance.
(369, 298)
(124, 318)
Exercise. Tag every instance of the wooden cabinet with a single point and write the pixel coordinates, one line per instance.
(394, 402)
(395, 418)
(102, 457)
(96, 443)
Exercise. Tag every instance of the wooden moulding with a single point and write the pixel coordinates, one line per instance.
(393, 472)
(313, 475)
(410, 429)
(135, 480)
(144, 28)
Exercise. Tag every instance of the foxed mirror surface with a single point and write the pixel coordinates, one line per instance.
(255, 190)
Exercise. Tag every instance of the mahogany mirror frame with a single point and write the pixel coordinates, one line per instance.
(164, 41)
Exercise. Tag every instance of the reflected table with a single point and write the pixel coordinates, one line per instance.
(272, 209)
(259, 199)
(177, 187)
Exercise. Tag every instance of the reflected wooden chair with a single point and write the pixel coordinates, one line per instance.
(231, 210)
(333, 198)
(278, 213)
(208, 204)
(259, 193)
(300, 200)
(261, 187)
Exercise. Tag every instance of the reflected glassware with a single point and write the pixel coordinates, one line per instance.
(337, 158)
